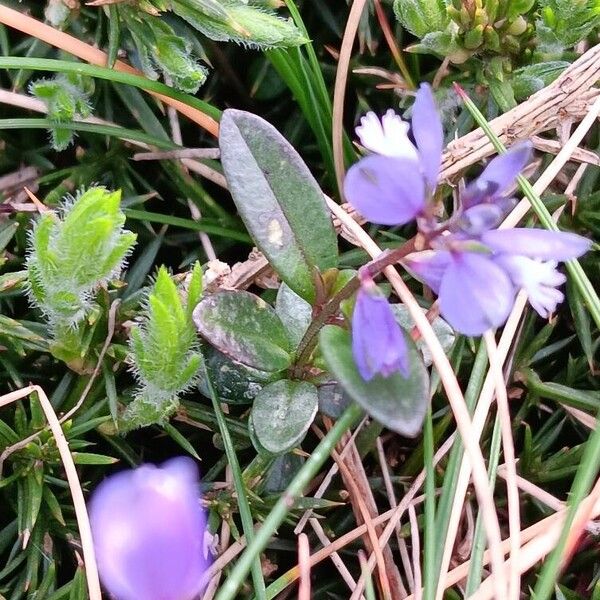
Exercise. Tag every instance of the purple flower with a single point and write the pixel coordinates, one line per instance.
(477, 278)
(498, 177)
(148, 529)
(391, 187)
(378, 343)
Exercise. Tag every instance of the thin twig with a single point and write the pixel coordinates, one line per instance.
(304, 567)
(339, 89)
(207, 153)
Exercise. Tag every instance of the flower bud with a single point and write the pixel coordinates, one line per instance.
(148, 530)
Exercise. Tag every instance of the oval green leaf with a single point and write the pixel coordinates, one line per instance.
(245, 328)
(282, 413)
(278, 199)
(234, 382)
(445, 334)
(294, 312)
(398, 403)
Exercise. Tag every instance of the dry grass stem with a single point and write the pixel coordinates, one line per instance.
(512, 490)
(389, 489)
(339, 90)
(83, 522)
(398, 512)
(569, 96)
(336, 559)
(416, 551)
(304, 567)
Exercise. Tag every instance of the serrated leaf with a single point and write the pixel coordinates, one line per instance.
(398, 403)
(282, 413)
(421, 17)
(278, 199)
(245, 328)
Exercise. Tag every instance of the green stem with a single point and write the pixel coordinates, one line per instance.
(371, 270)
(277, 515)
(240, 489)
(65, 66)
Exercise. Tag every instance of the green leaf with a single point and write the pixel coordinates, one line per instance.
(421, 17)
(444, 333)
(294, 312)
(245, 328)
(234, 382)
(281, 472)
(88, 458)
(398, 403)
(532, 78)
(282, 413)
(239, 22)
(274, 192)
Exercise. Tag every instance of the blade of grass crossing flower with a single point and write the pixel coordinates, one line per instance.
(286, 502)
(588, 467)
(581, 280)
(240, 488)
(479, 541)
(444, 506)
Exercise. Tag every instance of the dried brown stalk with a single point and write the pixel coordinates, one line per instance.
(569, 97)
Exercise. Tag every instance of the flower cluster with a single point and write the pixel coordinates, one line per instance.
(474, 267)
(148, 529)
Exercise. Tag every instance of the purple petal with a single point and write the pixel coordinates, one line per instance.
(429, 134)
(536, 243)
(475, 294)
(480, 218)
(428, 266)
(378, 343)
(498, 177)
(148, 530)
(385, 190)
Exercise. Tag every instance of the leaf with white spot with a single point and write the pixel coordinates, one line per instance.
(245, 328)
(278, 199)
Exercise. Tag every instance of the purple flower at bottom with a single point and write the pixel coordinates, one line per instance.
(148, 529)
(378, 343)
